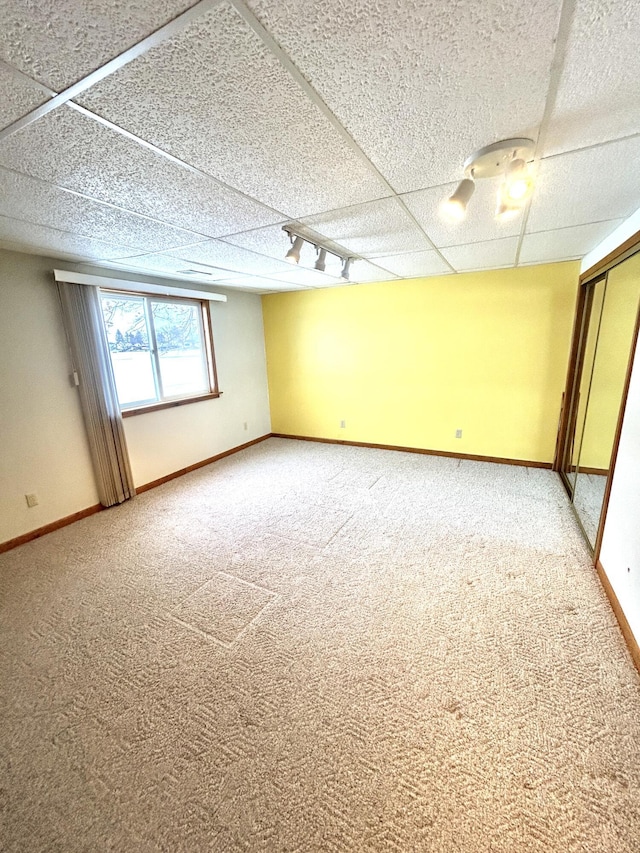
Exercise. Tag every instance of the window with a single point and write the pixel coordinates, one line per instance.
(161, 349)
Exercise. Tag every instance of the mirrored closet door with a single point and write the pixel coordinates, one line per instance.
(608, 311)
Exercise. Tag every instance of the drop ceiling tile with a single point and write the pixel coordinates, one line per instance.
(598, 96)
(73, 151)
(258, 284)
(222, 255)
(380, 227)
(70, 149)
(363, 272)
(18, 96)
(564, 243)
(60, 41)
(478, 225)
(35, 201)
(482, 256)
(164, 264)
(42, 239)
(415, 264)
(420, 85)
(304, 276)
(217, 98)
(271, 241)
(587, 186)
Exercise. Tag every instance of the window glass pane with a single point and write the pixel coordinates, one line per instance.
(181, 355)
(126, 324)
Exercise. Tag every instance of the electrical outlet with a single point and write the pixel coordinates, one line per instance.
(458, 433)
(343, 424)
(32, 500)
(245, 425)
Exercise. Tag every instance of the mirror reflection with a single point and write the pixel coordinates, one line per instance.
(607, 331)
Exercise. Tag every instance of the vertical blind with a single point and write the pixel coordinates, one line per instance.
(82, 316)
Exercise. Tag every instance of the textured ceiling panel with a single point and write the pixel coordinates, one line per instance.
(41, 239)
(76, 152)
(421, 84)
(217, 98)
(379, 228)
(307, 277)
(18, 96)
(483, 256)
(259, 285)
(222, 255)
(415, 264)
(362, 272)
(587, 186)
(59, 41)
(174, 266)
(479, 224)
(271, 241)
(38, 202)
(599, 95)
(565, 243)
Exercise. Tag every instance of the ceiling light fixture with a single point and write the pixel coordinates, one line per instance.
(322, 259)
(297, 241)
(506, 209)
(293, 255)
(518, 183)
(455, 207)
(509, 158)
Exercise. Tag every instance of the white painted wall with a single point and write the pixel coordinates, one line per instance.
(620, 553)
(170, 439)
(43, 448)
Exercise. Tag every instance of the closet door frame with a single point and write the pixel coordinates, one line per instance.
(568, 412)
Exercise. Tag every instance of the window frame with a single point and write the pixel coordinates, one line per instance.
(206, 330)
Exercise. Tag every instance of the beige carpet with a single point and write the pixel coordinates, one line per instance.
(309, 647)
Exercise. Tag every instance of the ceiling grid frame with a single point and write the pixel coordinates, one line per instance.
(567, 12)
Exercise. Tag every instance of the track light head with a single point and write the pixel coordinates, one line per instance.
(518, 183)
(345, 269)
(293, 255)
(455, 207)
(512, 195)
(322, 259)
(506, 210)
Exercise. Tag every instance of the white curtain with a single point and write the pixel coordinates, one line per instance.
(82, 315)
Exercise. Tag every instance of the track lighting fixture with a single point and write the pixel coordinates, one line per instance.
(297, 242)
(508, 158)
(293, 255)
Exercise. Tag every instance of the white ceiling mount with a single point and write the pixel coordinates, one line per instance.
(492, 160)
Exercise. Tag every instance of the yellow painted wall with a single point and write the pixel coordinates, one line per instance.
(409, 362)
